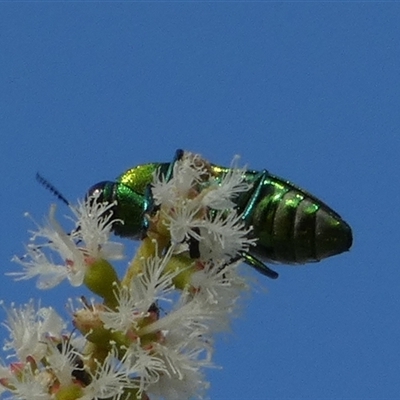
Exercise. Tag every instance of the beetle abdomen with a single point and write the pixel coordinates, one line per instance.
(295, 227)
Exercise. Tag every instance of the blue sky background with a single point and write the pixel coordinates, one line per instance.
(309, 91)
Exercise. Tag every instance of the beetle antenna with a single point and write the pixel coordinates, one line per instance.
(44, 182)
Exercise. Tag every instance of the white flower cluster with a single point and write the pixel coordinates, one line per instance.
(187, 199)
(153, 334)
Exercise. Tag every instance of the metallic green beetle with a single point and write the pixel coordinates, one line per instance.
(292, 225)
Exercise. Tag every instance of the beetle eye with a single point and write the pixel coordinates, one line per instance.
(98, 191)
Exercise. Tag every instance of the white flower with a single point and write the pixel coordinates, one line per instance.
(126, 315)
(28, 328)
(30, 384)
(36, 263)
(220, 287)
(144, 365)
(94, 221)
(182, 377)
(111, 378)
(182, 220)
(62, 360)
(150, 286)
(232, 184)
(187, 173)
(224, 235)
(88, 240)
(153, 283)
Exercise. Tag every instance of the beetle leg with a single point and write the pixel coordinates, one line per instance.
(194, 249)
(255, 196)
(258, 265)
(148, 209)
(247, 216)
(170, 171)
